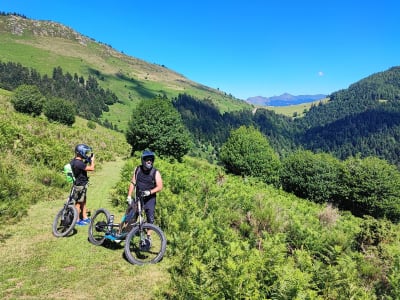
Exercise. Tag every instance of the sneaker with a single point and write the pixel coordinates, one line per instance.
(87, 220)
(81, 223)
(148, 242)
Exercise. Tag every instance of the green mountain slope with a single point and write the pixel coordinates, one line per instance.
(44, 45)
(365, 119)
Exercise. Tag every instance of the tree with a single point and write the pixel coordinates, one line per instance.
(28, 99)
(374, 188)
(312, 176)
(248, 152)
(156, 125)
(59, 110)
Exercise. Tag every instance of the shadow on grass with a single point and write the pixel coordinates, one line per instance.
(111, 245)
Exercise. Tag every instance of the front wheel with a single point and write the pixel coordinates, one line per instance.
(65, 221)
(139, 250)
(98, 226)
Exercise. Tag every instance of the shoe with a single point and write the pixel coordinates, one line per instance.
(87, 220)
(81, 223)
(148, 242)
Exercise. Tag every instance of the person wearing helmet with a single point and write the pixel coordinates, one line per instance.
(81, 164)
(146, 178)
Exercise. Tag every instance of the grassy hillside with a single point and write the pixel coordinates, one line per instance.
(297, 110)
(43, 45)
(34, 152)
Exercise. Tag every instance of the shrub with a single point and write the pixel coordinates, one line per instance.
(156, 125)
(373, 187)
(312, 176)
(247, 152)
(91, 124)
(28, 99)
(59, 110)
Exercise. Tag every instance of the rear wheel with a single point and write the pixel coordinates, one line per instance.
(65, 221)
(98, 226)
(139, 250)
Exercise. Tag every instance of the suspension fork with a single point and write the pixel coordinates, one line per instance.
(140, 219)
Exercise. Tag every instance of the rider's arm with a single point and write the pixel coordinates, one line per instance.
(132, 184)
(159, 184)
(91, 166)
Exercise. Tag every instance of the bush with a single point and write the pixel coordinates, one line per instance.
(373, 187)
(312, 176)
(247, 152)
(28, 99)
(59, 110)
(156, 125)
(91, 124)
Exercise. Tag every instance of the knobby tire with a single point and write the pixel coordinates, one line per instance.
(65, 221)
(139, 254)
(98, 226)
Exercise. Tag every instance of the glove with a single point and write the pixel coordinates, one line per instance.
(129, 200)
(146, 193)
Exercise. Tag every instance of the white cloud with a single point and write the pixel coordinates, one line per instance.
(320, 73)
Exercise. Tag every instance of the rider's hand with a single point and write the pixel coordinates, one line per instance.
(146, 193)
(129, 200)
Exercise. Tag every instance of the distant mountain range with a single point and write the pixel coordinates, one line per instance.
(284, 99)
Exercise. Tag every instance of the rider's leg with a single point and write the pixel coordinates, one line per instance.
(149, 209)
(80, 202)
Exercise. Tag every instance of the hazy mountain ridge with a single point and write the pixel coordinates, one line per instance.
(284, 99)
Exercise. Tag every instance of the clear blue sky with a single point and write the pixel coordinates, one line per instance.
(244, 48)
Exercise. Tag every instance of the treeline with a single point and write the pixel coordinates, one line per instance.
(208, 125)
(2, 13)
(88, 97)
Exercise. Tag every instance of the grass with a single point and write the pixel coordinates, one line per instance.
(292, 110)
(36, 265)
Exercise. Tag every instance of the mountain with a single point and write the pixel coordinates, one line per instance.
(45, 45)
(284, 99)
(361, 120)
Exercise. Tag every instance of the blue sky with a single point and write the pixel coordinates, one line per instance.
(244, 48)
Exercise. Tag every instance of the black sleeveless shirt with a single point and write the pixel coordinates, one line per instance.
(145, 180)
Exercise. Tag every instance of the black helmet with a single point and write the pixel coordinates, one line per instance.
(83, 151)
(146, 156)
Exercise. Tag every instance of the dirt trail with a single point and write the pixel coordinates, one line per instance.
(36, 265)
